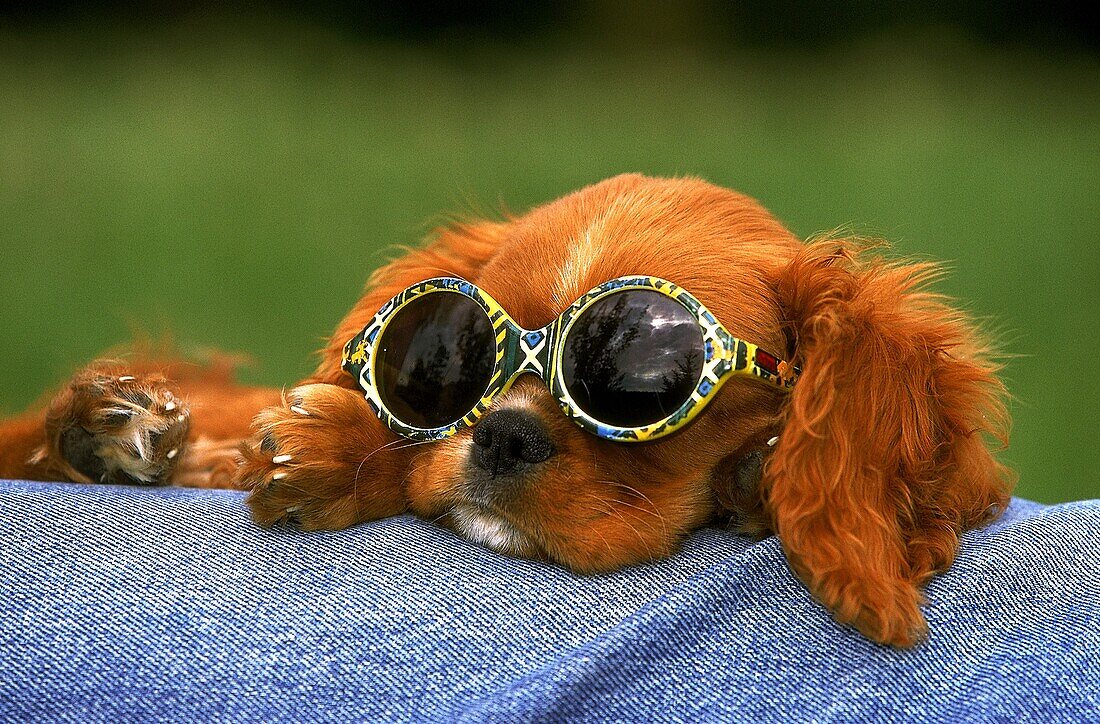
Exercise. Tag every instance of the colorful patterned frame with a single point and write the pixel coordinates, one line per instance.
(536, 351)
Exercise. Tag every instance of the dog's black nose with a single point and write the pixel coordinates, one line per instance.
(506, 441)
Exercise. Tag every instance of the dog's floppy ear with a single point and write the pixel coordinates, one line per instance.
(882, 460)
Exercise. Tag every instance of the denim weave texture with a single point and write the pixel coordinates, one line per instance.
(128, 604)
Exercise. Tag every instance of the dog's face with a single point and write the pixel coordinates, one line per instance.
(527, 480)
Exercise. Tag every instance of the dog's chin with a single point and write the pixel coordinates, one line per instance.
(490, 530)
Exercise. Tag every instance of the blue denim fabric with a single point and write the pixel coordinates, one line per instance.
(121, 604)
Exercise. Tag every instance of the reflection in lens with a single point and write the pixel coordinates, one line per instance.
(435, 359)
(633, 358)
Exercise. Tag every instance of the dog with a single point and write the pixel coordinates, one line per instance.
(860, 429)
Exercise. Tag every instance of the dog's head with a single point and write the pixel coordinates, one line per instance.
(867, 469)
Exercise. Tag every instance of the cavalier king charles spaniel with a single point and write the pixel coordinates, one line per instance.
(588, 384)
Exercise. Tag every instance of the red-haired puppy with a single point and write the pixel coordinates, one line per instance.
(866, 450)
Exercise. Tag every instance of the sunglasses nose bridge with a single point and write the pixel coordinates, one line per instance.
(533, 350)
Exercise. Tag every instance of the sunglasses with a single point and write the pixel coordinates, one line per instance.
(634, 359)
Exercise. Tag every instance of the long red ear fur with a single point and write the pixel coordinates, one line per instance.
(883, 459)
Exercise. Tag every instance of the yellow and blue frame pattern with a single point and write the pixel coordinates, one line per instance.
(538, 351)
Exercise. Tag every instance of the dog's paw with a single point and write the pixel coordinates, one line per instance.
(298, 464)
(116, 428)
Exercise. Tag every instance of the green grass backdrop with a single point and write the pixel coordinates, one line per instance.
(235, 184)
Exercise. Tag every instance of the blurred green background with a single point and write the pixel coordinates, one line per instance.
(234, 177)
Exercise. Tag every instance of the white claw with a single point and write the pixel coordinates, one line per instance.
(278, 476)
(169, 406)
(38, 456)
(119, 411)
(299, 410)
(172, 453)
(773, 441)
(181, 417)
(126, 378)
(280, 459)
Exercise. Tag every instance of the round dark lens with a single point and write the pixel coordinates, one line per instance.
(435, 359)
(633, 358)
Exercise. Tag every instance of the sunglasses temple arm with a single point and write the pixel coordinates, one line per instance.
(784, 376)
(764, 365)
